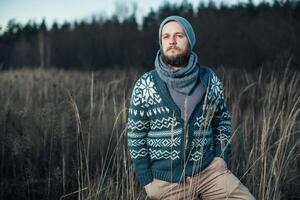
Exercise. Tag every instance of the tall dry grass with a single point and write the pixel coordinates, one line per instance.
(63, 134)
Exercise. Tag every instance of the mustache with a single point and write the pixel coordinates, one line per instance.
(173, 47)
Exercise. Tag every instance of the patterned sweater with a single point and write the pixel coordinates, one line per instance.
(164, 146)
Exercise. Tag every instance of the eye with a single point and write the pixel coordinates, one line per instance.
(165, 37)
(180, 35)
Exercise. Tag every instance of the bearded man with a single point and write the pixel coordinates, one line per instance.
(179, 127)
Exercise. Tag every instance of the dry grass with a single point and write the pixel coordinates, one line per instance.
(63, 134)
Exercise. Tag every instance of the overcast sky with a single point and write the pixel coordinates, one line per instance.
(69, 10)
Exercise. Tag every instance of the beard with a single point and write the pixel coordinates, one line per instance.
(179, 60)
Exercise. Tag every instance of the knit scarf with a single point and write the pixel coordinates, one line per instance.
(182, 79)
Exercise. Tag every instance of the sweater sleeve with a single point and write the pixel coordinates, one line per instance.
(137, 130)
(221, 121)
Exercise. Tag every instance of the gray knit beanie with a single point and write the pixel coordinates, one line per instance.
(186, 26)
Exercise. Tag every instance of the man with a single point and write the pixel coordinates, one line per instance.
(179, 126)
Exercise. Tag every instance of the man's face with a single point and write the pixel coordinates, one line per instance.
(174, 44)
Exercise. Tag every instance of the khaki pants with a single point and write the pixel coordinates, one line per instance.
(215, 182)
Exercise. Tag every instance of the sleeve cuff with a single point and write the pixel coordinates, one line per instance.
(220, 153)
(145, 178)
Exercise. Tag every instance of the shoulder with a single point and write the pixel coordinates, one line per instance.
(145, 92)
(206, 69)
(146, 76)
(207, 75)
(144, 85)
(213, 82)
(145, 80)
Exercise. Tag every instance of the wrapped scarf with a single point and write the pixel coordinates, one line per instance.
(183, 79)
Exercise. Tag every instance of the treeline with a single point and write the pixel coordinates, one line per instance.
(241, 35)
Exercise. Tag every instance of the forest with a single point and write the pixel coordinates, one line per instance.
(244, 34)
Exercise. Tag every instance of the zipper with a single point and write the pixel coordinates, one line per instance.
(185, 134)
(186, 138)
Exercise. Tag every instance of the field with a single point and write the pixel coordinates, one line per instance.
(63, 133)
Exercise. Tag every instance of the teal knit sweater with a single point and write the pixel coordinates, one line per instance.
(164, 146)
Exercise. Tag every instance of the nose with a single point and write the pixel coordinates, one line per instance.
(172, 40)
